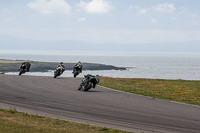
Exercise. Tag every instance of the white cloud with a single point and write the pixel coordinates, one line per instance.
(183, 10)
(143, 11)
(153, 20)
(50, 6)
(169, 8)
(82, 19)
(96, 6)
(138, 8)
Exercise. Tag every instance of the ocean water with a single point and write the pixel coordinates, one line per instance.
(139, 65)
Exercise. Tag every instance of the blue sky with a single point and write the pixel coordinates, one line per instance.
(102, 21)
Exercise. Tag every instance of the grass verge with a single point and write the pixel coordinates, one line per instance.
(12, 121)
(184, 91)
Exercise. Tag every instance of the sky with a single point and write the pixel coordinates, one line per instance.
(102, 21)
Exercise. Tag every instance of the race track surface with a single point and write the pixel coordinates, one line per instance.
(59, 98)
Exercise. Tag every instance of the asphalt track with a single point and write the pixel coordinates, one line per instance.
(59, 98)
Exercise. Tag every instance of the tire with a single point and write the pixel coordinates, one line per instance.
(76, 73)
(88, 86)
(80, 87)
(57, 73)
(21, 72)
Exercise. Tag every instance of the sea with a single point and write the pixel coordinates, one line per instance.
(182, 66)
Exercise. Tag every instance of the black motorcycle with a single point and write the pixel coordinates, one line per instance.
(22, 69)
(88, 82)
(77, 70)
(58, 71)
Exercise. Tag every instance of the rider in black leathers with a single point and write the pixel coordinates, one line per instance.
(89, 76)
(76, 66)
(27, 64)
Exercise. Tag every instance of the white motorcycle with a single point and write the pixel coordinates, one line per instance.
(58, 71)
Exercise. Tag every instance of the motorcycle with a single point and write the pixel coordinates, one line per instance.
(88, 82)
(77, 70)
(22, 69)
(58, 71)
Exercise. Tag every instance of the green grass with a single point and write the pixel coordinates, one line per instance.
(12, 121)
(184, 91)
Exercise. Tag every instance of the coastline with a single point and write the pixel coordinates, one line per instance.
(13, 66)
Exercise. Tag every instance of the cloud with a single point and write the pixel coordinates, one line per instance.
(169, 8)
(82, 19)
(96, 6)
(50, 6)
(153, 20)
(143, 11)
(138, 8)
(184, 10)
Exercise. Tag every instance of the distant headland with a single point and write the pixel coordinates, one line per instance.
(13, 66)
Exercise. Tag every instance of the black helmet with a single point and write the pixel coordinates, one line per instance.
(61, 62)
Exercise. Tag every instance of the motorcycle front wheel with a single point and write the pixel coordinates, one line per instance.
(21, 72)
(76, 73)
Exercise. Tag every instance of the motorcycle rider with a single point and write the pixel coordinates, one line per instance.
(96, 81)
(76, 66)
(89, 76)
(27, 64)
(62, 66)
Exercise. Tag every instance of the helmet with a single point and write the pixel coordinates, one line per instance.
(27, 61)
(79, 62)
(61, 62)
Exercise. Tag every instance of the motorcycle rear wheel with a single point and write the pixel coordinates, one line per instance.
(76, 73)
(88, 86)
(57, 73)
